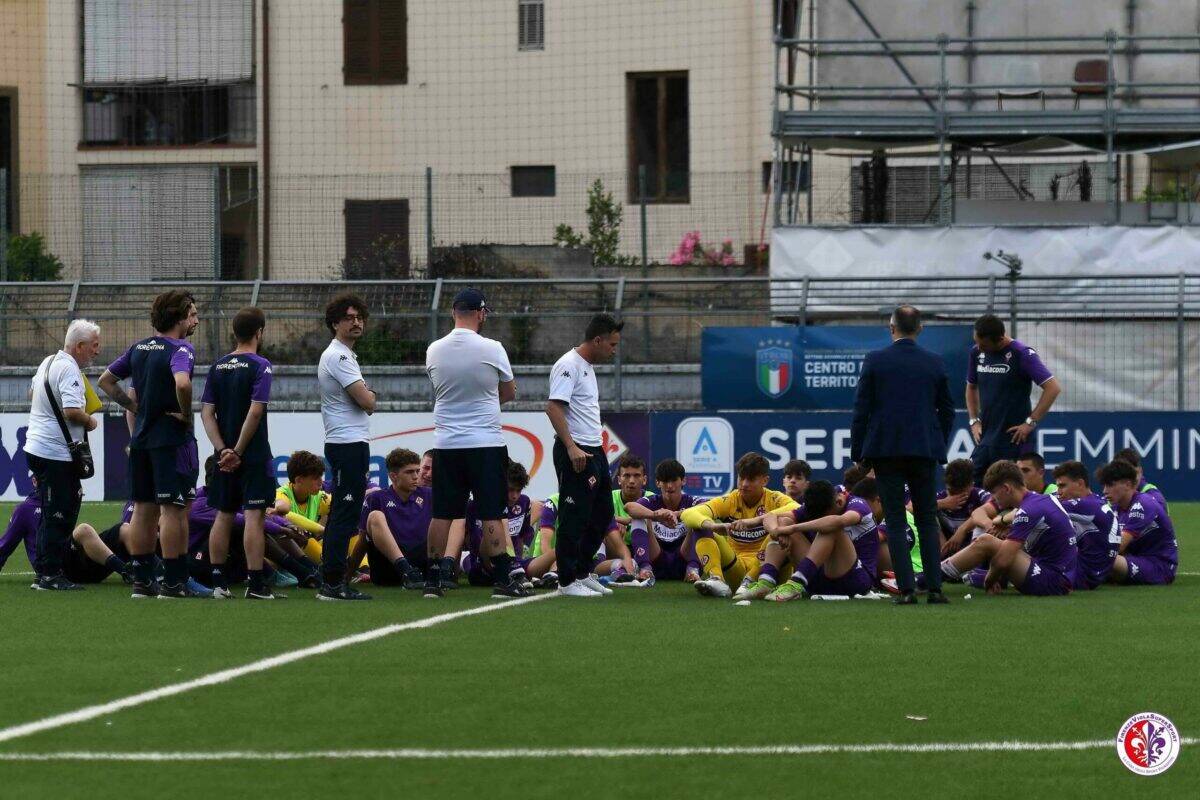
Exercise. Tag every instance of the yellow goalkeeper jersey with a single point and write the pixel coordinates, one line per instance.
(730, 507)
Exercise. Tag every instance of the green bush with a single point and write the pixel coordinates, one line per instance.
(26, 259)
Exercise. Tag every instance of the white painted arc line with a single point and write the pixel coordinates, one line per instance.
(577, 752)
(262, 665)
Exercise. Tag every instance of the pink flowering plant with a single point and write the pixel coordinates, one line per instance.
(693, 252)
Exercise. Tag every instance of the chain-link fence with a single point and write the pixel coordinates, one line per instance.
(1117, 343)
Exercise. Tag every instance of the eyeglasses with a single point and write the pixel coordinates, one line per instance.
(353, 318)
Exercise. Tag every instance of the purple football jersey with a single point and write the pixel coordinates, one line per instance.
(22, 529)
(1045, 532)
(1097, 536)
(864, 535)
(957, 516)
(1151, 528)
(669, 537)
(516, 517)
(1005, 379)
(408, 520)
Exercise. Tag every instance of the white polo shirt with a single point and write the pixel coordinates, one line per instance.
(345, 422)
(573, 381)
(44, 437)
(467, 370)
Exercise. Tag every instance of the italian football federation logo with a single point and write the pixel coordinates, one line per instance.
(1148, 743)
(774, 368)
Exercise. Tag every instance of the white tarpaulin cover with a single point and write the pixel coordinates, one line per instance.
(1091, 252)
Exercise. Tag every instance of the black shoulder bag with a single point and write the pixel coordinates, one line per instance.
(81, 452)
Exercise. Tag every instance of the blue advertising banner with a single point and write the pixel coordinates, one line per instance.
(815, 367)
(708, 445)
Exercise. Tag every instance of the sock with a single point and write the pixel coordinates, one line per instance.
(115, 564)
(333, 577)
(175, 571)
(806, 570)
(501, 567)
(710, 556)
(640, 544)
(618, 570)
(402, 566)
(433, 576)
(693, 564)
(143, 569)
(951, 571)
(769, 573)
(449, 567)
(218, 576)
(258, 579)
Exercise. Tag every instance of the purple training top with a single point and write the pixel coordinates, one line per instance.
(1045, 532)
(516, 516)
(864, 535)
(669, 537)
(408, 520)
(1097, 536)
(957, 516)
(1005, 379)
(201, 517)
(1151, 528)
(22, 528)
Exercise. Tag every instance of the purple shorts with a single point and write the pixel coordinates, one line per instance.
(1043, 581)
(856, 581)
(1149, 571)
(670, 565)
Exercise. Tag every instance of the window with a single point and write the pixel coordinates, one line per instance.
(533, 181)
(146, 116)
(376, 239)
(657, 110)
(531, 25)
(793, 171)
(375, 34)
(8, 162)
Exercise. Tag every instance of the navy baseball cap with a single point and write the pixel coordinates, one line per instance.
(469, 300)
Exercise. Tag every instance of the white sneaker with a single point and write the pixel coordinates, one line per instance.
(743, 592)
(593, 583)
(221, 594)
(577, 589)
(713, 587)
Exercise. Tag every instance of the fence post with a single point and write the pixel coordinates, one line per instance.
(433, 325)
(1180, 344)
(645, 262)
(802, 319)
(428, 219)
(618, 377)
(1012, 303)
(991, 301)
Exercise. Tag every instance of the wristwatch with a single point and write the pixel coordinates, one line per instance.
(973, 420)
(1031, 422)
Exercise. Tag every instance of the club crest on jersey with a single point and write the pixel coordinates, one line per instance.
(774, 368)
(591, 481)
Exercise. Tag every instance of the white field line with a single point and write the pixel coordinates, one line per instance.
(262, 665)
(422, 754)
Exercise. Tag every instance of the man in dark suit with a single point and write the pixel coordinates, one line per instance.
(902, 420)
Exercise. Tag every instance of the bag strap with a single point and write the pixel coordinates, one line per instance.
(58, 414)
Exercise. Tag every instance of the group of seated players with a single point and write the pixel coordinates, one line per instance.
(813, 539)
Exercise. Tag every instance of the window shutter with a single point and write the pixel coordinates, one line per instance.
(377, 243)
(358, 61)
(393, 41)
(531, 25)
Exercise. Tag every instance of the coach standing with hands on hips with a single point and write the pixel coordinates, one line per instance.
(585, 506)
(1000, 377)
(471, 379)
(55, 420)
(346, 406)
(903, 416)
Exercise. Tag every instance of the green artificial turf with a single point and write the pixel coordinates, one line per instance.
(644, 668)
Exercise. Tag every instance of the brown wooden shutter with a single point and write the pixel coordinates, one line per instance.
(377, 243)
(375, 35)
(393, 41)
(358, 42)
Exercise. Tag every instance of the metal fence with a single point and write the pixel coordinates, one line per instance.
(1117, 343)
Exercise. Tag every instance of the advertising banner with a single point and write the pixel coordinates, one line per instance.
(14, 472)
(529, 437)
(708, 445)
(814, 367)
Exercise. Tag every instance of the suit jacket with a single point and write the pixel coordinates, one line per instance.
(903, 406)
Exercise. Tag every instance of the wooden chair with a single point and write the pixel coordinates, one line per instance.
(1091, 78)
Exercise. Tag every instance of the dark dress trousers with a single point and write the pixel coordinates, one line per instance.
(903, 417)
